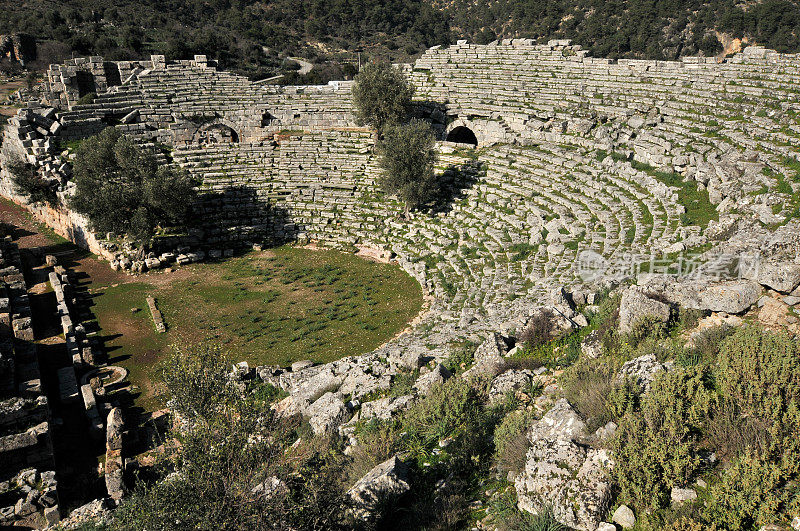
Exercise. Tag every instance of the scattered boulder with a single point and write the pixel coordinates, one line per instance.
(569, 477)
(636, 304)
(489, 357)
(624, 517)
(734, 296)
(406, 359)
(679, 496)
(298, 366)
(780, 276)
(643, 370)
(326, 413)
(383, 484)
(426, 383)
(509, 382)
(384, 408)
(592, 346)
(270, 487)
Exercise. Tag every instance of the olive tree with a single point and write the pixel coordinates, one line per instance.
(407, 156)
(382, 95)
(122, 188)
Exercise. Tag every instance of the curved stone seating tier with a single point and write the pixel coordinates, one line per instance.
(292, 165)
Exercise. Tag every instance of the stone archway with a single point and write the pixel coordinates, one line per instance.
(464, 132)
(462, 135)
(215, 133)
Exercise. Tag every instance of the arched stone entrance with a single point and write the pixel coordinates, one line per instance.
(462, 135)
(215, 133)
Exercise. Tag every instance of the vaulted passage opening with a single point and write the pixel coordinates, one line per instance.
(215, 133)
(462, 135)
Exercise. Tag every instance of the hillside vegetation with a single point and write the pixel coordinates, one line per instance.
(256, 38)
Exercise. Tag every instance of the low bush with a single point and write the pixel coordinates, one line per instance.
(644, 329)
(706, 346)
(656, 447)
(378, 440)
(28, 183)
(606, 322)
(511, 441)
(461, 356)
(454, 409)
(508, 517)
(587, 387)
(539, 330)
(753, 493)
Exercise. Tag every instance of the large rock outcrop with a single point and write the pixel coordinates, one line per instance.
(382, 485)
(636, 305)
(563, 474)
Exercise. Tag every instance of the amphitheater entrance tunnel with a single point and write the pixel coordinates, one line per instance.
(462, 135)
(216, 133)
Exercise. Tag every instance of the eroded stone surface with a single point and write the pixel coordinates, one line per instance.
(562, 474)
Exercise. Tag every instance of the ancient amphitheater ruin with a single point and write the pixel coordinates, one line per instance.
(556, 162)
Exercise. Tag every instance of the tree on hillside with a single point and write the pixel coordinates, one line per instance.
(30, 184)
(382, 95)
(122, 188)
(407, 156)
(233, 463)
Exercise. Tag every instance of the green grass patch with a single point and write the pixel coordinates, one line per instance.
(274, 307)
(699, 210)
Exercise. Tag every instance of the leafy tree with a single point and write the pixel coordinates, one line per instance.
(382, 95)
(28, 183)
(121, 188)
(232, 463)
(407, 156)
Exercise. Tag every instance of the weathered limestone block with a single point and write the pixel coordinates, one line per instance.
(113, 466)
(489, 357)
(564, 475)
(643, 370)
(636, 305)
(426, 383)
(326, 413)
(780, 276)
(730, 297)
(512, 381)
(382, 485)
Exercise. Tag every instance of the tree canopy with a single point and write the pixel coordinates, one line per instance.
(122, 188)
(407, 156)
(382, 95)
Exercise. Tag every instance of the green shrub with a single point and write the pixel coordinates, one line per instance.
(378, 441)
(511, 441)
(761, 372)
(86, 99)
(453, 409)
(755, 426)
(508, 517)
(655, 448)
(28, 183)
(645, 328)
(587, 387)
(706, 346)
(461, 357)
(606, 322)
(752, 493)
